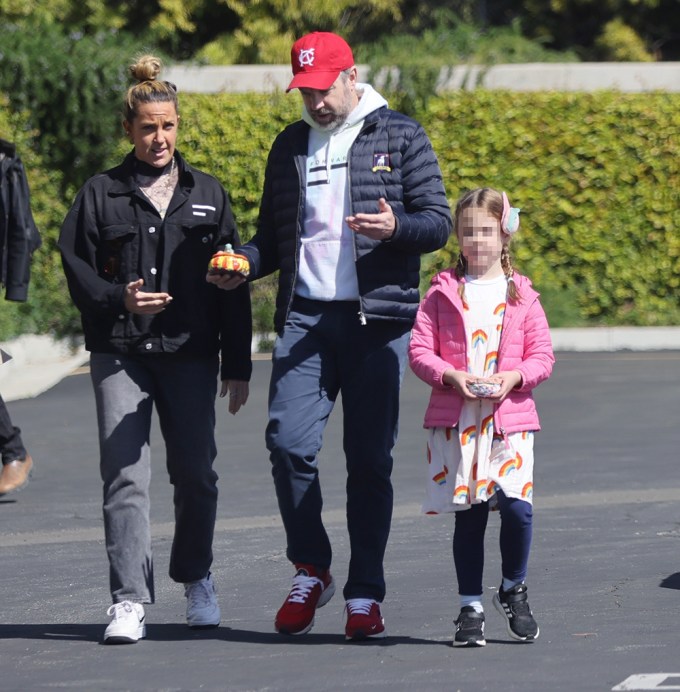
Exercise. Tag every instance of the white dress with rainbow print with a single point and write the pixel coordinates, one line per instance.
(468, 464)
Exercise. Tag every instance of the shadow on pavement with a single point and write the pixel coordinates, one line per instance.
(671, 582)
(180, 632)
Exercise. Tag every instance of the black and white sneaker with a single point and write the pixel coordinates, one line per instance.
(513, 605)
(469, 628)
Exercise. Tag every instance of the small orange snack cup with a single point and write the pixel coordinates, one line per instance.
(227, 262)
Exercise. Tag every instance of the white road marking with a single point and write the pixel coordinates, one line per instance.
(649, 681)
(337, 516)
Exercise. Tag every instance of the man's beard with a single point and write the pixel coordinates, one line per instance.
(339, 117)
(337, 122)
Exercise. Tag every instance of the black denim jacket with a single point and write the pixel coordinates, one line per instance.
(19, 236)
(113, 235)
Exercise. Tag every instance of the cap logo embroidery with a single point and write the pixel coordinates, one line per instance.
(306, 57)
(381, 162)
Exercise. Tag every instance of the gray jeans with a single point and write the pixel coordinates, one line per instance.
(183, 390)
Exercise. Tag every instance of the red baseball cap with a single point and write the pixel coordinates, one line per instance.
(317, 60)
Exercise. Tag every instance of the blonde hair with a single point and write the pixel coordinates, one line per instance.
(149, 88)
(492, 202)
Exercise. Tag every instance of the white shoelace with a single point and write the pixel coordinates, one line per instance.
(359, 606)
(302, 586)
(122, 611)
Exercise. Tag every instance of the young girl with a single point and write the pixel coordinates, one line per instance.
(481, 341)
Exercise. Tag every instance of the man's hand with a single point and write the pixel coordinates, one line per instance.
(225, 281)
(378, 226)
(238, 394)
(142, 303)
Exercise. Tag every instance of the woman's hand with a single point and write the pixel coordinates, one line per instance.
(142, 303)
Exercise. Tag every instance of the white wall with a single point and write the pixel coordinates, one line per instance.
(629, 77)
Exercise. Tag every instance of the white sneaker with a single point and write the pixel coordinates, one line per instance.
(127, 625)
(202, 607)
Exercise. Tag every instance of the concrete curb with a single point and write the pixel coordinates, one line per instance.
(39, 361)
(616, 339)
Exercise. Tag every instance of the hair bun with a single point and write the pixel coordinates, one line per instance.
(146, 68)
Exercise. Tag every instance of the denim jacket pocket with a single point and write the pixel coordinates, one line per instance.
(118, 254)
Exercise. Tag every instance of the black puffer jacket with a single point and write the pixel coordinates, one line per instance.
(113, 235)
(19, 236)
(388, 272)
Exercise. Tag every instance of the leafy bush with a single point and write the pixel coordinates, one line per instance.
(598, 179)
(618, 41)
(71, 88)
(410, 65)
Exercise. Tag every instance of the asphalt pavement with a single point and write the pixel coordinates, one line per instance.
(604, 574)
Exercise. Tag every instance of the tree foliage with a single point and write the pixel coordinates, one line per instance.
(261, 31)
(71, 88)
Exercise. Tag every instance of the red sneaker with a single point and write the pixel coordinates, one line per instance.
(312, 588)
(364, 620)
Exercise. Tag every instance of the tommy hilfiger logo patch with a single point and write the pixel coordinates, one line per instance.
(381, 162)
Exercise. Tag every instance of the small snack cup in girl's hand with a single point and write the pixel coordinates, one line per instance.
(227, 262)
(484, 388)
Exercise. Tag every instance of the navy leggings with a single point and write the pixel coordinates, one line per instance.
(468, 542)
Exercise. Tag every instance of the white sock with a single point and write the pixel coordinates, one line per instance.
(474, 601)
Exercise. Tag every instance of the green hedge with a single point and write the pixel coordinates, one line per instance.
(597, 177)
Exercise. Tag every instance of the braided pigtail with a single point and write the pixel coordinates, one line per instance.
(461, 270)
(508, 270)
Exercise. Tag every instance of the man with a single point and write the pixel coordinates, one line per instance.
(352, 196)
(19, 238)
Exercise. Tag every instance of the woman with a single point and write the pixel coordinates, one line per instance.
(135, 248)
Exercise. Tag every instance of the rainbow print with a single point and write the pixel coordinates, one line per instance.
(528, 491)
(429, 455)
(468, 435)
(487, 424)
(499, 310)
(461, 493)
(447, 434)
(526, 434)
(510, 466)
(480, 490)
(440, 478)
(491, 488)
(491, 361)
(479, 338)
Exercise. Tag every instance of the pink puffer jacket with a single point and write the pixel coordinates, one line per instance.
(438, 343)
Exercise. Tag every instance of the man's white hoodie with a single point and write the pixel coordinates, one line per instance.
(327, 270)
